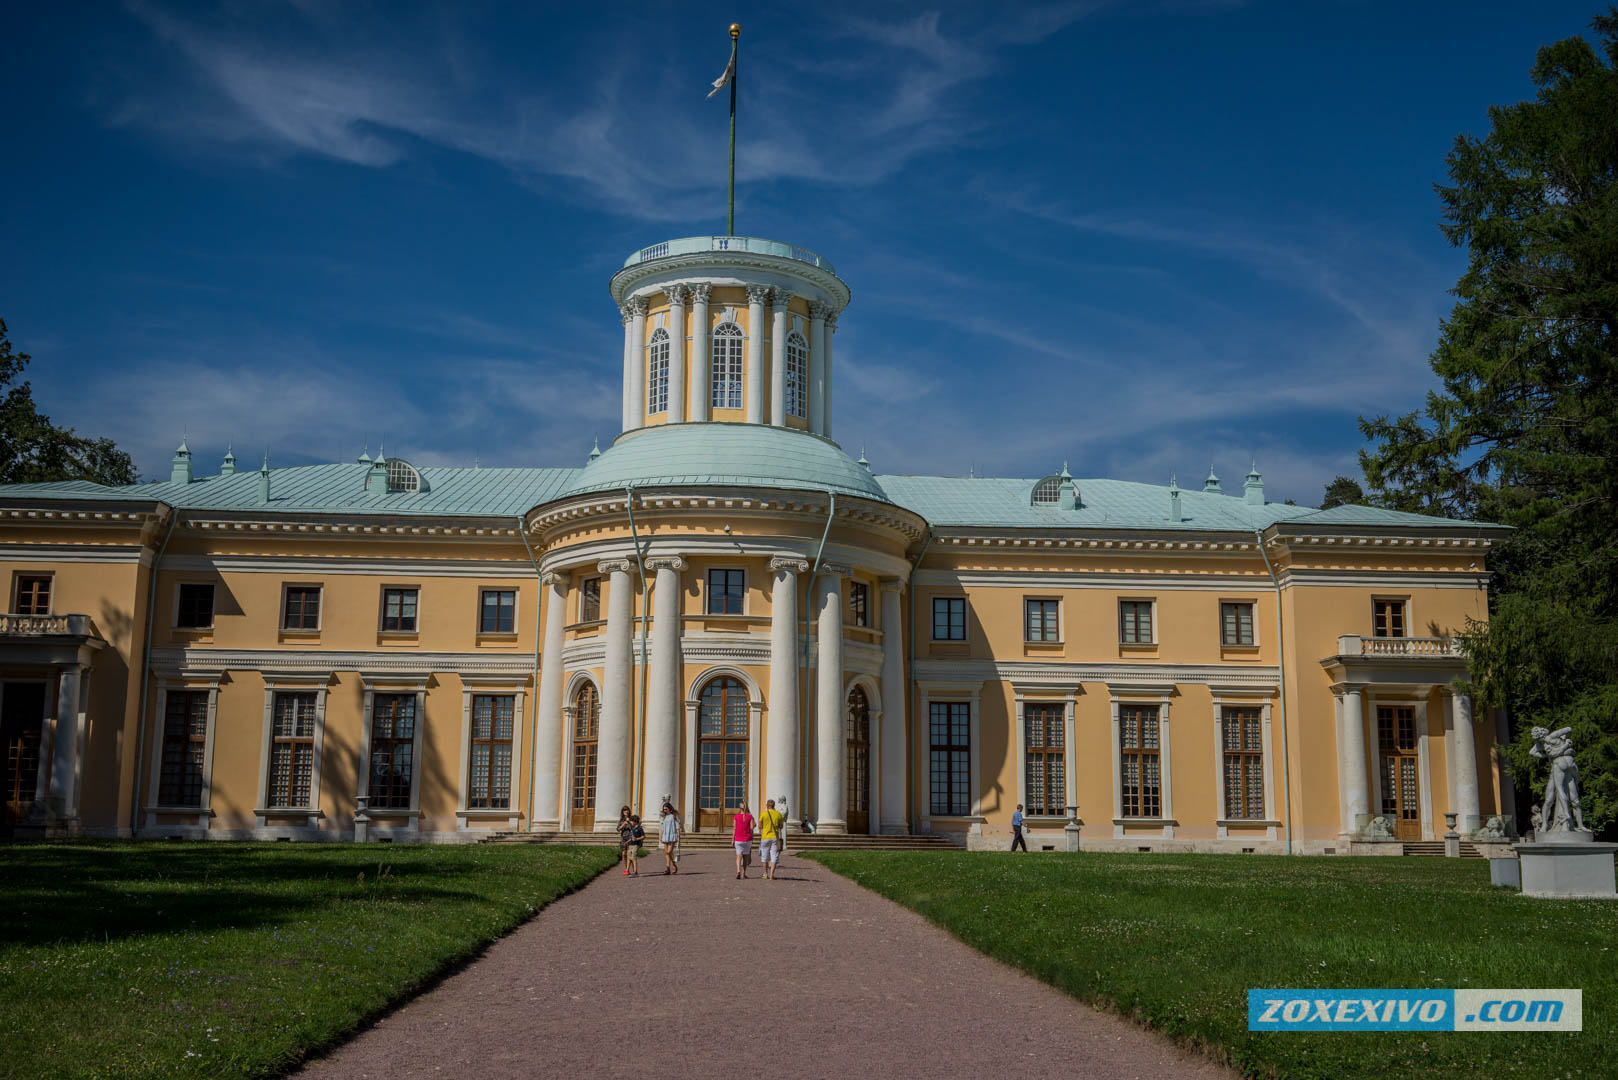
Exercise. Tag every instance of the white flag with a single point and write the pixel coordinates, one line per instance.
(730, 73)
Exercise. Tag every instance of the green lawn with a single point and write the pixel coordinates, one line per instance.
(225, 959)
(1177, 940)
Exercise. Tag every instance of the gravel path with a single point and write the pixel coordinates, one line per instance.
(703, 975)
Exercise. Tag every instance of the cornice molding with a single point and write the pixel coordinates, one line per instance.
(306, 663)
(728, 264)
(334, 564)
(884, 517)
(1064, 673)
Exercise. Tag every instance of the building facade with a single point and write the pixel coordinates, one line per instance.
(724, 607)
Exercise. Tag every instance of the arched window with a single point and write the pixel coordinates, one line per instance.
(1048, 492)
(403, 476)
(586, 736)
(657, 397)
(727, 366)
(857, 732)
(797, 389)
(722, 718)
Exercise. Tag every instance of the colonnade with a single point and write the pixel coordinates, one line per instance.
(664, 697)
(1355, 770)
(691, 400)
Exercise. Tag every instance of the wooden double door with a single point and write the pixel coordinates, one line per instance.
(723, 725)
(857, 761)
(22, 711)
(1398, 755)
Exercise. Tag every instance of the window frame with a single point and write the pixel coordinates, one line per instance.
(21, 576)
(1141, 753)
(319, 589)
(311, 804)
(657, 382)
(493, 741)
(729, 385)
(415, 616)
(1252, 624)
(796, 391)
(396, 741)
(859, 604)
(959, 804)
(950, 620)
(179, 604)
(589, 594)
(1245, 713)
(1403, 604)
(709, 594)
(482, 608)
(166, 685)
(1050, 620)
(1046, 750)
(191, 742)
(1150, 604)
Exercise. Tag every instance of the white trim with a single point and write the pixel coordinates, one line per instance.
(1238, 699)
(202, 659)
(290, 682)
(73, 553)
(1120, 695)
(328, 565)
(1424, 761)
(184, 682)
(1157, 676)
(1203, 581)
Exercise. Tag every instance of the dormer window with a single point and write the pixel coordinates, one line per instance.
(1048, 492)
(404, 477)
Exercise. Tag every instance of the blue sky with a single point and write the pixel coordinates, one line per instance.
(1137, 236)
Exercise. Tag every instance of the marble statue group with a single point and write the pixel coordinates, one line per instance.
(1561, 811)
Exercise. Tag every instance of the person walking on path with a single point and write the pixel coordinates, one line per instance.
(636, 835)
(1017, 839)
(626, 837)
(744, 840)
(668, 836)
(771, 825)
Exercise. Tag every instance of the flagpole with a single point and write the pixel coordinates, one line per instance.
(736, 47)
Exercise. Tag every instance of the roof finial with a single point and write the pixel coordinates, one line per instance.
(595, 448)
(862, 463)
(1211, 485)
(1065, 474)
(365, 455)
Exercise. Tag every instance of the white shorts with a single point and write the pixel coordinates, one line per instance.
(744, 847)
(769, 850)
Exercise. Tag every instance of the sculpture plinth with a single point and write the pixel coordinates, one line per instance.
(1563, 860)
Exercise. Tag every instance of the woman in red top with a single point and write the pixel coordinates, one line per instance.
(744, 840)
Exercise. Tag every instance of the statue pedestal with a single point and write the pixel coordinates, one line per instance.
(1568, 865)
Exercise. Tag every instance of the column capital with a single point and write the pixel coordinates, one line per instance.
(893, 584)
(789, 564)
(554, 577)
(831, 320)
(782, 297)
(624, 314)
(758, 294)
(834, 570)
(636, 306)
(615, 566)
(701, 292)
(667, 562)
(819, 309)
(677, 294)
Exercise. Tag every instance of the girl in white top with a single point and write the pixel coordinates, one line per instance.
(669, 835)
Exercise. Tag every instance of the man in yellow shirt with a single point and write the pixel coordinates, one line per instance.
(771, 827)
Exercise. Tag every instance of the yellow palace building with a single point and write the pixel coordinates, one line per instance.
(724, 607)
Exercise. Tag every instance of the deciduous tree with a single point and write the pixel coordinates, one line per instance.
(33, 450)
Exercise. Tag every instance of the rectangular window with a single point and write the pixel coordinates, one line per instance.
(185, 737)
(194, 606)
(949, 762)
(725, 592)
(393, 750)
(497, 611)
(399, 610)
(292, 750)
(1139, 772)
(1244, 763)
(1045, 766)
(1135, 622)
(859, 603)
(590, 600)
(33, 594)
(1040, 620)
(302, 608)
(1388, 618)
(949, 618)
(1236, 624)
(492, 720)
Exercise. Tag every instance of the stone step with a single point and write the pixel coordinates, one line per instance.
(1435, 849)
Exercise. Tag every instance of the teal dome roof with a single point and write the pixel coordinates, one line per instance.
(725, 455)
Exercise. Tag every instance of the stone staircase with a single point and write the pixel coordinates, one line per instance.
(1435, 849)
(717, 840)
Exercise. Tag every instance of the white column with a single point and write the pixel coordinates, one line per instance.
(1356, 803)
(61, 807)
(893, 709)
(635, 389)
(629, 368)
(831, 745)
(677, 295)
(617, 689)
(826, 363)
(548, 730)
(756, 296)
(778, 358)
(664, 697)
(781, 777)
(701, 352)
(817, 368)
(1466, 767)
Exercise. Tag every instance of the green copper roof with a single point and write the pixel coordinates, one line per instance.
(725, 455)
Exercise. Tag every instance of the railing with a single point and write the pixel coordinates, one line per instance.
(43, 625)
(1356, 645)
(692, 245)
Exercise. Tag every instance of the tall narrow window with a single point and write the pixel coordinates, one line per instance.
(399, 610)
(797, 388)
(657, 396)
(726, 591)
(292, 751)
(1388, 618)
(302, 611)
(590, 600)
(185, 738)
(857, 761)
(727, 366)
(586, 742)
(859, 603)
(1040, 621)
(1236, 624)
(949, 618)
(1244, 763)
(393, 750)
(497, 611)
(33, 594)
(1135, 622)
(194, 606)
(722, 736)
(1045, 767)
(1139, 772)
(493, 716)
(949, 764)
